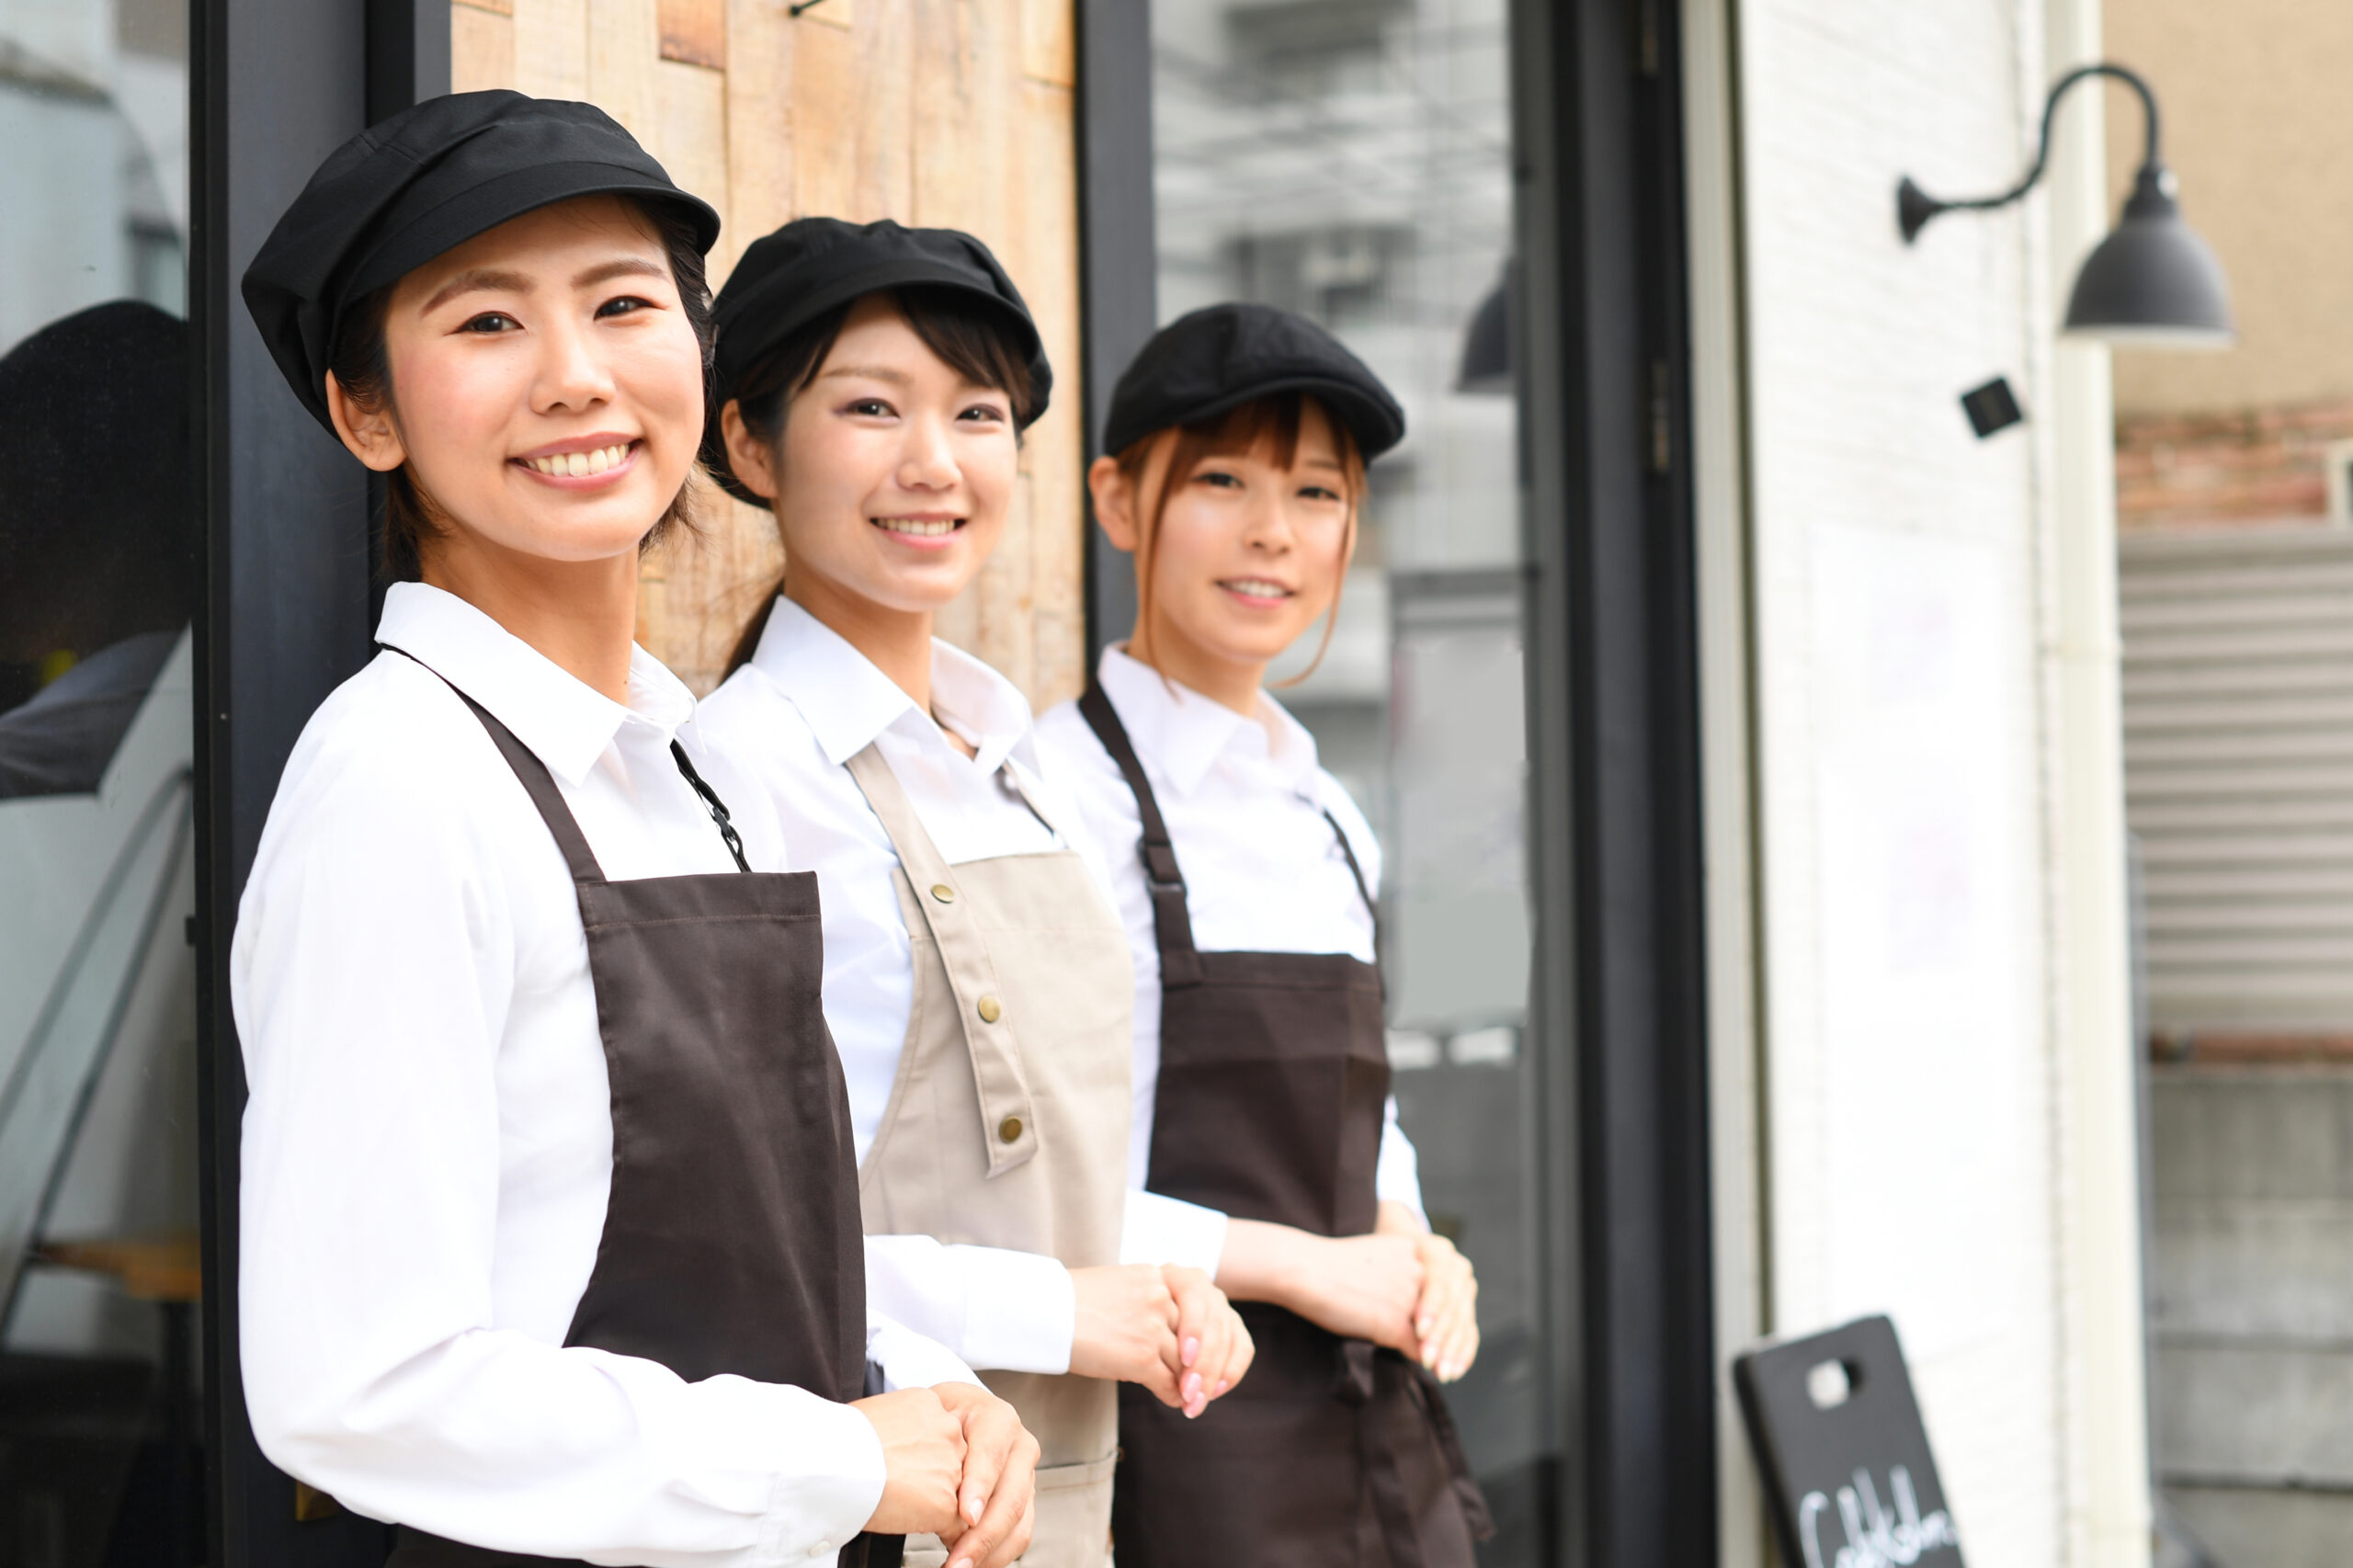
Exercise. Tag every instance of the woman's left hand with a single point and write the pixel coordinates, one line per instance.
(1213, 1346)
(1446, 1319)
(997, 1499)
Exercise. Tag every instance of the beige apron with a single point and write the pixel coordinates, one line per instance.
(1008, 1125)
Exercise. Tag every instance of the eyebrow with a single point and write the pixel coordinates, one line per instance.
(871, 372)
(493, 278)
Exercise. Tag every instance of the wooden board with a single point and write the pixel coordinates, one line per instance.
(955, 113)
(694, 32)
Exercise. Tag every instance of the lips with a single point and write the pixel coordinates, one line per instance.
(1256, 588)
(918, 528)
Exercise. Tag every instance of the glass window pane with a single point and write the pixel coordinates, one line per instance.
(1350, 160)
(97, 1014)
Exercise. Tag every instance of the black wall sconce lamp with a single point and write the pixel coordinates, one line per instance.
(2153, 283)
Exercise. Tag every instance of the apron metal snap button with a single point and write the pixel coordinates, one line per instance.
(990, 1013)
(1009, 1130)
(943, 892)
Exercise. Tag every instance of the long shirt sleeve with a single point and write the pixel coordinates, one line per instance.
(427, 1155)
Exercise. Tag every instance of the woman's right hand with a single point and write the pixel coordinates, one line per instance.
(923, 1462)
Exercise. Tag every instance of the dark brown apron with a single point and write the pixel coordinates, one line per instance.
(1274, 1080)
(731, 1241)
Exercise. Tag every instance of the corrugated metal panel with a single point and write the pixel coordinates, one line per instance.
(2238, 766)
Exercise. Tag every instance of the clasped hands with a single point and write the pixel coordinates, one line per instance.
(960, 1464)
(1401, 1287)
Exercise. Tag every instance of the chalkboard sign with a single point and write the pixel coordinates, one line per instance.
(1846, 1461)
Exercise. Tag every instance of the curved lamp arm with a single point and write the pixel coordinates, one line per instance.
(1914, 207)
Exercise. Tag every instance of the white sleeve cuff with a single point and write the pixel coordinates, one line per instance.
(911, 1361)
(824, 1461)
(1397, 1177)
(1159, 1230)
(1020, 1312)
(1012, 1311)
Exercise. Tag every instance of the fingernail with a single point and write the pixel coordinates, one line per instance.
(1192, 1385)
(1222, 1385)
(1192, 1351)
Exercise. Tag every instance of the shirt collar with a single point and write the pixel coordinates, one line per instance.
(848, 702)
(565, 723)
(1184, 733)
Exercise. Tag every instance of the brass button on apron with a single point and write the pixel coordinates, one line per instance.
(943, 892)
(990, 1013)
(1009, 1130)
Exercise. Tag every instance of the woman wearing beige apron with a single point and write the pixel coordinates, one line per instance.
(873, 381)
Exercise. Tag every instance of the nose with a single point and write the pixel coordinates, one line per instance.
(928, 459)
(572, 374)
(1266, 519)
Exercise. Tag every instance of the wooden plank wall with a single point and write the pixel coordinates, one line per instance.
(946, 113)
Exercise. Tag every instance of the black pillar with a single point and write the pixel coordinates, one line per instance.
(285, 612)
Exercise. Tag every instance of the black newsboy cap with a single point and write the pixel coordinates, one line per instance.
(423, 182)
(1214, 359)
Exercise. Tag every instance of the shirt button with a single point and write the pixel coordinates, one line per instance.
(943, 892)
(1009, 1130)
(990, 1011)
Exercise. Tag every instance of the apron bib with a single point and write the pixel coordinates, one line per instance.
(1274, 1079)
(1007, 1123)
(731, 1240)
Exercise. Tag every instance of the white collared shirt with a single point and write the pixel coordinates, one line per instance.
(428, 1150)
(1244, 803)
(792, 718)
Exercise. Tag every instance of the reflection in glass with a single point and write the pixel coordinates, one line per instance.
(1350, 160)
(97, 1169)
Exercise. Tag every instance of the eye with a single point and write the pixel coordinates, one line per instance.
(1320, 493)
(491, 322)
(984, 413)
(1219, 477)
(868, 408)
(628, 304)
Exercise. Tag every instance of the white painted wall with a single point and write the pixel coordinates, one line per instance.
(1931, 712)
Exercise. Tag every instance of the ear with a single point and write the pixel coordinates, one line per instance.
(751, 458)
(369, 434)
(1115, 503)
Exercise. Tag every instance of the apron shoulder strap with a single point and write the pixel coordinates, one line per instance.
(1364, 889)
(1172, 922)
(536, 782)
(1010, 1127)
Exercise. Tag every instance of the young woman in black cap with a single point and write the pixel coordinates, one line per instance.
(872, 384)
(549, 1238)
(1245, 877)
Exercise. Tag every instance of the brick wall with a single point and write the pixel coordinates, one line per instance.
(2243, 465)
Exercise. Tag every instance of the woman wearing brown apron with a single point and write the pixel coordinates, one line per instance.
(1245, 877)
(550, 1228)
(873, 381)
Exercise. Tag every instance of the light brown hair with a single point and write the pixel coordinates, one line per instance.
(1237, 432)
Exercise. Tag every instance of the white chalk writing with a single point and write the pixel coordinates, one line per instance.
(1875, 1537)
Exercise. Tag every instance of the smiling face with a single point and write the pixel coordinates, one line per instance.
(547, 386)
(1247, 553)
(892, 477)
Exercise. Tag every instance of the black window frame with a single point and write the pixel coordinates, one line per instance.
(1600, 325)
(285, 610)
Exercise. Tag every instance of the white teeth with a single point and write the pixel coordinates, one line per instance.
(574, 465)
(924, 527)
(1256, 589)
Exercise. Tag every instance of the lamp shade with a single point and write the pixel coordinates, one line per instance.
(2153, 282)
(1486, 345)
